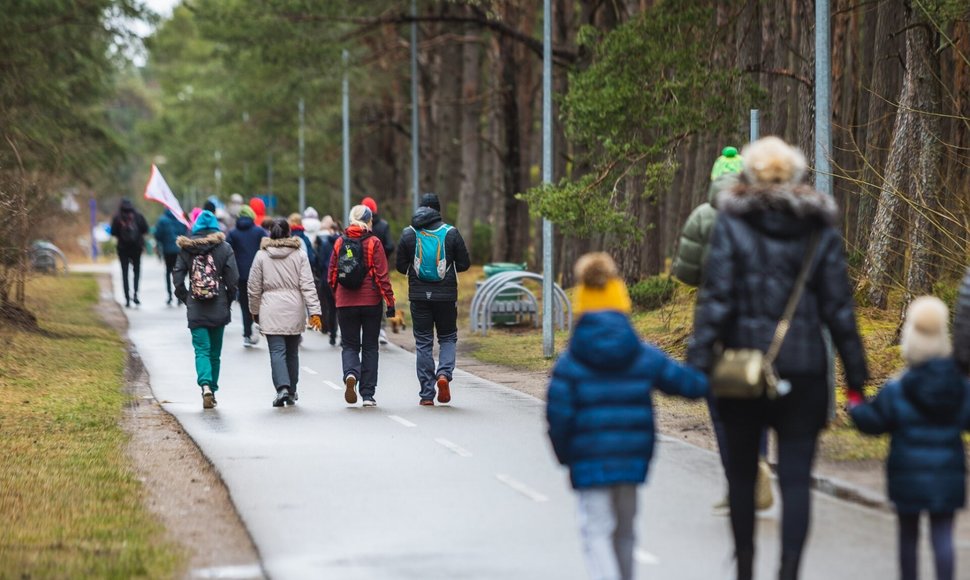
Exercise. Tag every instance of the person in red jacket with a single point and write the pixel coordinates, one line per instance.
(362, 289)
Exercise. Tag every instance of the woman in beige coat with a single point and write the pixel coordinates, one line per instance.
(281, 291)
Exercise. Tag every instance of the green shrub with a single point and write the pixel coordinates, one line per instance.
(482, 243)
(947, 291)
(653, 292)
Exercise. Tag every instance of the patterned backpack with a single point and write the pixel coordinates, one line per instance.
(204, 280)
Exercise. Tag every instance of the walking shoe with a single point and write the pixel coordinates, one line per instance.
(169, 302)
(426, 403)
(294, 396)
(764, 498)
(252, 340)
(444, 390)
(282, 397)
(208, 399)
(370, 402)
(350, 394)
(136, 301)
(127, 303)
(333, 340)
(383, 337)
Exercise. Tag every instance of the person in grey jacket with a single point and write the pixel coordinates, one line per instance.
(281, 291)
(207, 261)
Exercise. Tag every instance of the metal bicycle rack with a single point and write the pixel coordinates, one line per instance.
(485, 304)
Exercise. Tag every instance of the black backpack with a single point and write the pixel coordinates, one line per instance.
(129, 234)
(351, 263)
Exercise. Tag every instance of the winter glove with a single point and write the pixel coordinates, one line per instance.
(390, 312)
(854, 398)
(315, 322)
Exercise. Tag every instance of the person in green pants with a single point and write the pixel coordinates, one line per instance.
(206, 262)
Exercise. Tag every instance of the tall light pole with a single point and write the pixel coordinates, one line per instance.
(415, 150)
(823, 138)
(302, 178)
(755, 129)
(345, 95)
(548, 336)
(218, 172)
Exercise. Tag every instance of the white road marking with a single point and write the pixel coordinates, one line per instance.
(645, 557)
(458, 449)
(332, 385)
(521, 488)
(250, 571)
(401, 420)
(309, 370)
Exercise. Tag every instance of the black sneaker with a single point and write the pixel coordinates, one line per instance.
(294, 397)
(136, 301)
(282, 397)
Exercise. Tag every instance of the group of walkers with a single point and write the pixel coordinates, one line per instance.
(769, 262)
(302, 272)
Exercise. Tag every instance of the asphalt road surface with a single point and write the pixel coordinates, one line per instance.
(467, 490)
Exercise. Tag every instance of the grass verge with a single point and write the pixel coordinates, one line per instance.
(70, 502)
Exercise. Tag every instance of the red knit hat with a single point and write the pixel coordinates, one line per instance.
(370, 204)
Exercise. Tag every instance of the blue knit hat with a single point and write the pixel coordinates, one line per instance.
(206, 221)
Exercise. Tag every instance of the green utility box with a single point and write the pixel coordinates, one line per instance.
(510, 295)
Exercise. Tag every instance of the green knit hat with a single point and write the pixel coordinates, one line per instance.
(728, 162)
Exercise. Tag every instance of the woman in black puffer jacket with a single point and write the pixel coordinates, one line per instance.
(757, 248)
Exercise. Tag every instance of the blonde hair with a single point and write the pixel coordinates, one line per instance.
(595, 269)
(770, 160)
(926, 333)
(361, 216)
(295, 219)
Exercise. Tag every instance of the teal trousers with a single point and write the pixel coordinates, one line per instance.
(208, 348)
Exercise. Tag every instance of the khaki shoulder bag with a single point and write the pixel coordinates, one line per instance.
(748, 373)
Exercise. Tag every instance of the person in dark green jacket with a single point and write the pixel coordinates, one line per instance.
(692, 249)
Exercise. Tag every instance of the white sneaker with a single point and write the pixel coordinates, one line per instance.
(208, 399)
(383, 337)
(370, 403)
(250, 341)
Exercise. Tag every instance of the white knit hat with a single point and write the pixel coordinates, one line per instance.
(926, 333)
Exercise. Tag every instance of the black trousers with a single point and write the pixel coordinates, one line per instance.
(247, 318)
(797, 418)
(170, 260)
(134, 260)
(360, 330)
(329, 307)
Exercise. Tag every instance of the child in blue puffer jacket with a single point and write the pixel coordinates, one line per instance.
(601, 415)
(926, 409)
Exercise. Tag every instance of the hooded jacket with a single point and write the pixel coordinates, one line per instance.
(456, 255)
(382, 230)
(245, 240)
(694, 240)
(167, 230)
(207, 313)
(925, 410)
(128, 213)
(599, 403)
(281, 287)
(377, 285)
(759, 242)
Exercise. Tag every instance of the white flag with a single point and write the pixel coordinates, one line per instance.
(157, 190)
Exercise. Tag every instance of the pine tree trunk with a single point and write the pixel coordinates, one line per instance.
(924, 65)
(471, 138)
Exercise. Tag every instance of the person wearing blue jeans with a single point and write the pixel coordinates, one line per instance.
(432, 253)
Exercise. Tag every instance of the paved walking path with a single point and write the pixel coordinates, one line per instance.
(469, 490)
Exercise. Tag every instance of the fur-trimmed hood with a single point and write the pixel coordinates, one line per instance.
(790, 205)
(200, 244)
(280, 248)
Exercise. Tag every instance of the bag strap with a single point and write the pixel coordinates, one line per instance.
(796, 295)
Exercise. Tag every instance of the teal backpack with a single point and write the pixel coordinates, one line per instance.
(429, 254)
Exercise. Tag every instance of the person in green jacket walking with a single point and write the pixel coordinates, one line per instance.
(692, 249)
(689, 268)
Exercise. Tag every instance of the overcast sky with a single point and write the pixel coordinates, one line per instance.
(142, 29)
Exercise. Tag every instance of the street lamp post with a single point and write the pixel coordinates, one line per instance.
(548, 337)
(415, 149)
(345, 94)
(302, 177)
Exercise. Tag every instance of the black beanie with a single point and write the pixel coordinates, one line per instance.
(208, 205)
(430, 200)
